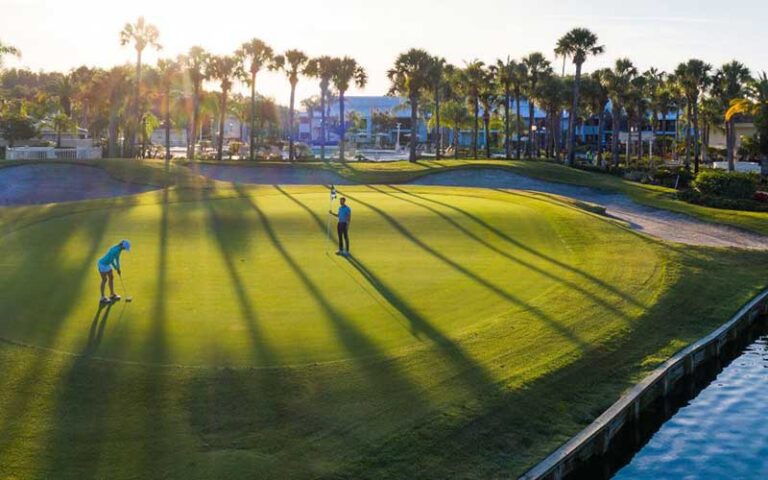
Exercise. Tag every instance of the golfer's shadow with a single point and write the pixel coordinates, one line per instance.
(98, 325)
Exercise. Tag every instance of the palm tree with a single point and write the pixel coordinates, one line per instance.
(579, 43)
(64, 90)
(519, 79)
(437, 77)
(168, 75)
(551, 95)
(142, 35)
(694, 78)
(455, 116)
(194, 63)
(537, 67)
(225, 69)
(510, 79)
(411, 76)
(255, 55)
(293, 63)
(729, 84)
(598, 99)
(474, 77)
(755, 104)
(61, 123)
(8, 50)
(488, 98)
(311, 104)
(346, 70)
(618, 83)
(322, 69)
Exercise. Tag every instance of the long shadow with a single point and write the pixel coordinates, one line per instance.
(382, 372)
(533, 251)
(477, 376)
(322, 226)
(474, 276)
(70, 282)
(572, 285)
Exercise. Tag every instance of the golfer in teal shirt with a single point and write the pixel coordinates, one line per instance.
(106, 264)
(342, 229)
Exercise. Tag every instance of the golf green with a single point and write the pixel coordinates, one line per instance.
(252, 280)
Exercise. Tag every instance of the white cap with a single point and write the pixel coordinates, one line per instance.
(126, 244)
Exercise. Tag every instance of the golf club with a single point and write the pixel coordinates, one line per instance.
(127, 298)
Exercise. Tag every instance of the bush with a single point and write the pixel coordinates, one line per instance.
(730, 185)
(760, 197)
(698, 198)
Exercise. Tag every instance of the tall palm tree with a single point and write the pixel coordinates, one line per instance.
(437, 79)
(598, 100)
(509, 78)
(474, 79)
(579, 44)
(694, 78)
(456, 116)
(226, 69)
(537, 67)
(552, 95)
(618, 82)
(411, 76)
(142, 35)
(755, 104)
(322, 69)
(255, 56)
(168, 75)
(346, 71)
(730, 83)
(519, 80)
(488, 98)
(194, 63)
(293, 63)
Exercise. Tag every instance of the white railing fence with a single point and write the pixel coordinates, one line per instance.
(49, 153)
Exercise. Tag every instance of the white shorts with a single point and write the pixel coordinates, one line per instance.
(104, 268)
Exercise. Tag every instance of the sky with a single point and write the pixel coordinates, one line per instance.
(62, 34)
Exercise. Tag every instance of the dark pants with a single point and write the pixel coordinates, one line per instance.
(342, 229)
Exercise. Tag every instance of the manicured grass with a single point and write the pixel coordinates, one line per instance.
(651, 195)
(472, 333)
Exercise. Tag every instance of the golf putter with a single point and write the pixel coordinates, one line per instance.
(128, 299)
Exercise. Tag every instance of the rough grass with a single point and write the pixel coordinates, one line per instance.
(475, 331)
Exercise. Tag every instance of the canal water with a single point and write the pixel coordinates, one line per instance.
(716, 426)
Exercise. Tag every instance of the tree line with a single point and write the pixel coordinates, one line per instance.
(119, 102)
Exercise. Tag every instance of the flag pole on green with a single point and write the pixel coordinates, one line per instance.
(330, 209)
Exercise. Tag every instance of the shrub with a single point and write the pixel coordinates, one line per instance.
(719, 183)
(760, 197)
(698, 198)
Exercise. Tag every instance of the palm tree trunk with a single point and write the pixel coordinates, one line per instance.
(136, 106)
(414, 119)
(251, 146)
(664, 126)
(195, 121)
(487, 127)
(688, 137)
(438, 140)
(640, 142)
(600, 133)
(291, 154)
(475, 129)
(507, 145)
(167, 129)
(696, 146)
(729, 140)
(322, 124)
(222, 118)
(343, 126)
(572, 120)
(456, 142)
(530, 128)
(519, 123)
(615, 127)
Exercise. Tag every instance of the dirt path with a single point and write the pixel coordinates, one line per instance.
(671, 226)
(51, 183)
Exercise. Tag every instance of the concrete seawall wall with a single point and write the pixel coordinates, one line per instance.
(598, 437)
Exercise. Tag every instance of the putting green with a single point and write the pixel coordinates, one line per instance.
(252, 280)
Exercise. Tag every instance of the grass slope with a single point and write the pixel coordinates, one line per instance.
(474, 332)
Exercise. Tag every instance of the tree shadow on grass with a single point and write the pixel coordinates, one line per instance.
(572, 285)
(504, 236)
(477, 278)
(70, 283)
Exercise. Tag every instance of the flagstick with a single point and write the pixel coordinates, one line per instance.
(330, 209)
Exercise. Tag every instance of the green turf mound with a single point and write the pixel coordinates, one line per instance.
(253, 280)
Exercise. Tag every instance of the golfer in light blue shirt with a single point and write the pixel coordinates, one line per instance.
(342, 228)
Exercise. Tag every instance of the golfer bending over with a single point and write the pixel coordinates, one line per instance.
(342, 228)
(106, 263)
